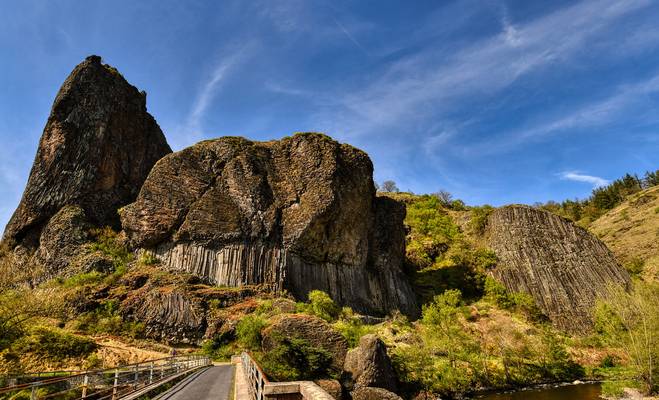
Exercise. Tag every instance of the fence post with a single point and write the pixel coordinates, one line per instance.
(33, 393)
(85, 382)
(115, 384)
(151, 373)
(137, 368)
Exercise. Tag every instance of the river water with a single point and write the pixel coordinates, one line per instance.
(586, 391)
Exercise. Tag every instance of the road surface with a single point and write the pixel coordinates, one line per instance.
(212, 383)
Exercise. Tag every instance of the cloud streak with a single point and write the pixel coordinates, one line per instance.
(431, 83)
(207, 93)
(349, 36)
(575, 176)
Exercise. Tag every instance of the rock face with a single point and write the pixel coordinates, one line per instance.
(296, 214)
(561, 265)
(170, 316)
(314, 330)
(369, 365)
(96, 150)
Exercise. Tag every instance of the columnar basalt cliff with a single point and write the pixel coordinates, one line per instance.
(561, 265)
(97, 148)
(296, 214)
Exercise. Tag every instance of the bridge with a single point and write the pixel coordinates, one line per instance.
(188, 377)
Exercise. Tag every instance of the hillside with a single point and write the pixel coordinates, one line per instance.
(631, 231)
(285, 248)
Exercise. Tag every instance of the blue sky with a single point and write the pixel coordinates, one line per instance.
(497, 102)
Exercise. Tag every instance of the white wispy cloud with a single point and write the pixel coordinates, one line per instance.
(430, 83)
(207, 92)
(191, 130)
(597, 112)
(596, 181)
(349, 36)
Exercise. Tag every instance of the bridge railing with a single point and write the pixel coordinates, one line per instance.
(105, 384)
(259, 388)
(256, 379)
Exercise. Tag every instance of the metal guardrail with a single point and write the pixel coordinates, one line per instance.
(256, 379)
(106, 384)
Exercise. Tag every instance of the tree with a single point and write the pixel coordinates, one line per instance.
(444, 197)
(630, 320)
(390, 187)
(651, 179)
(377, 187)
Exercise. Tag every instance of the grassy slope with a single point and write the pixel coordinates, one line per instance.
(631, 230)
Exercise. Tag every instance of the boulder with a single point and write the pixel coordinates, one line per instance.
(332, 387)
(296, 214)
(561, 265)
(371, 393)
(369, 365)
(96, 150)
(314, 330)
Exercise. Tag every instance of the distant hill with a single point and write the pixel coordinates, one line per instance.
(631, 231)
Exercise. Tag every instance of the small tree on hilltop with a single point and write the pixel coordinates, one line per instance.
(444, 197)
(390, 187)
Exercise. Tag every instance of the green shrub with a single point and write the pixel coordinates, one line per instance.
(629, 320)
(479, 217)
(82, 279)
(248, 331)
(635, 266)
(522, 302)
(218, 348)
(322, 306)
(148, 258)
(556, 361)
(297, 359)
(108, 242)
(352, 330)
(615, 389)
(54, 344)
(107, 319)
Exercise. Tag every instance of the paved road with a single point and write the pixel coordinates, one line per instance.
(213, 383)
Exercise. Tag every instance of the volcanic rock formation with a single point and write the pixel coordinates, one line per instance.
(296, 214)
(561, 265)
(97, 148)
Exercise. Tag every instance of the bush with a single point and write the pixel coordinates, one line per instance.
(107, 319)
(630, 321)
(322, 306)
(54, 344)
(108, 242)
(297, 359)
(635, 266)
(496, 293)
(217, 349)
(85, 278)
(615, 389)
(147, 258)
(248, 331)
(352, 330)
(479, 217)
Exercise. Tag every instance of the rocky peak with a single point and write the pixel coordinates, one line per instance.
(297, 214)
(96, 150)
(560, 264)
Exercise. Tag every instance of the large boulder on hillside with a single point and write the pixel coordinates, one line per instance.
(296, 214)
(369, 365)
(560, 264)
(96, 150)
(313, 330)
